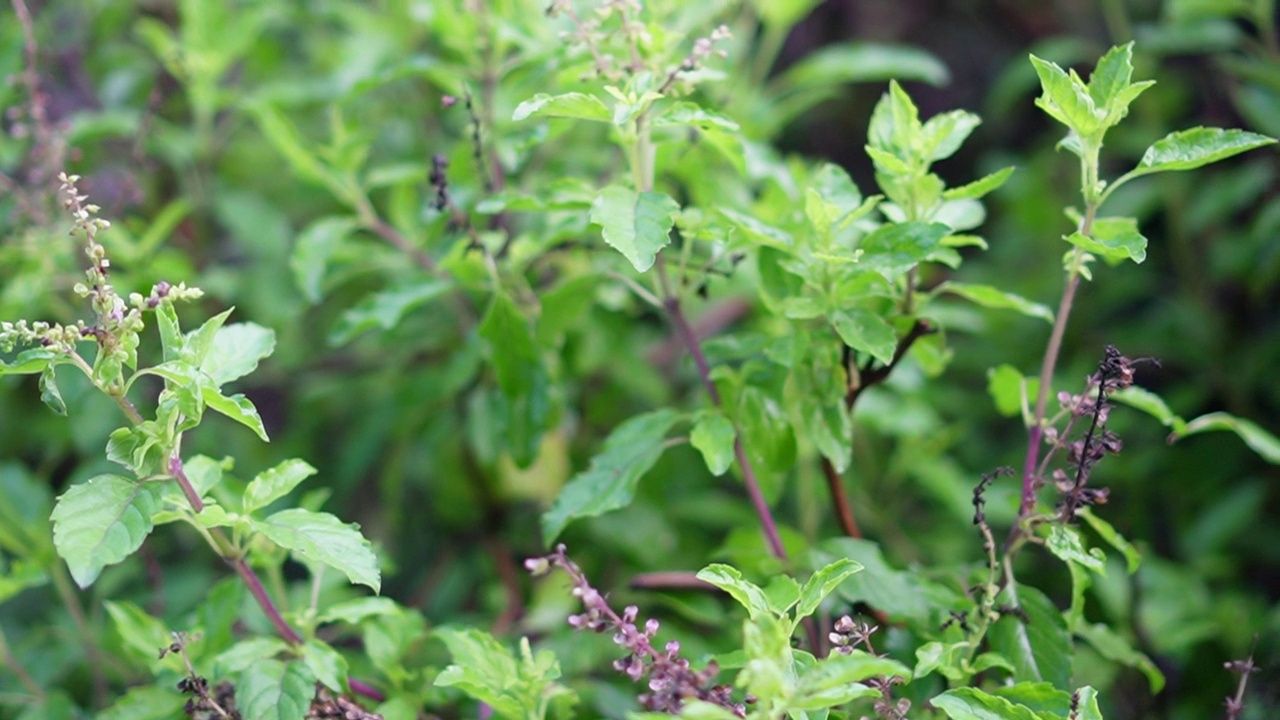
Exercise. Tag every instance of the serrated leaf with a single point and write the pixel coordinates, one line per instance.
(1041, 698)
(713, 436)
(101, 522)
(385, 309)
(610, 483)
(515, 687)
(322, 538)
(1039, 646)
(236, 350)
(974, 704)
(822, 583)
(1196, 147)
(1259, 440)
(991, 297)
(237, 407)
(275, 690)
(867, 332)
(312, 250)
(729, 579)
(893, 249)
(273, 484)
(569, 105)
(979, 187)
(638, 225)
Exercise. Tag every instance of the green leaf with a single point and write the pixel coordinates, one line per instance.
(1253, 435)
(568, 105)
(974, 704)
(691, 115)
(312, 250)
(198, 342)
(762, 233)
(1066, 545)
(329, 667)
(271, 485)
(852, 62)
(782, 14)
(944, 133)
(835, 681)
(1111, 75)
(713, 436)
(237, 407)
(898, 593)
(236, 350)
(143, 635)
(893, 249)
(1114, 539)
(867, 332)
(101, 522)
(513, 353)
(637, 225)
(247, 653)
(49, 393)
(356, 610)
(1010, 389)
(747, 593)
(1039, 646)
(274, 690)
(29, 362)
(944, 658)
(1196, 147)
(1113, 239)
(172, 340)
(990, 297)
(1087, 699)
(822, 583)
(484, 668)
(981, 186)
(145, 703)
(287, 141)
(1151, 404)
(385, 309)
(322, 538)
(610, 483)
(1066, 99)
(1042, 698)
(1113, 647)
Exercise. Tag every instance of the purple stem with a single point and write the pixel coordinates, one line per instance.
(690, 340)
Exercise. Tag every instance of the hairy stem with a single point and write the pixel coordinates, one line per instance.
(259, 593)
(844, 511)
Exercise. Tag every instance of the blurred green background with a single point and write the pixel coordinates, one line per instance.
(159, 105)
